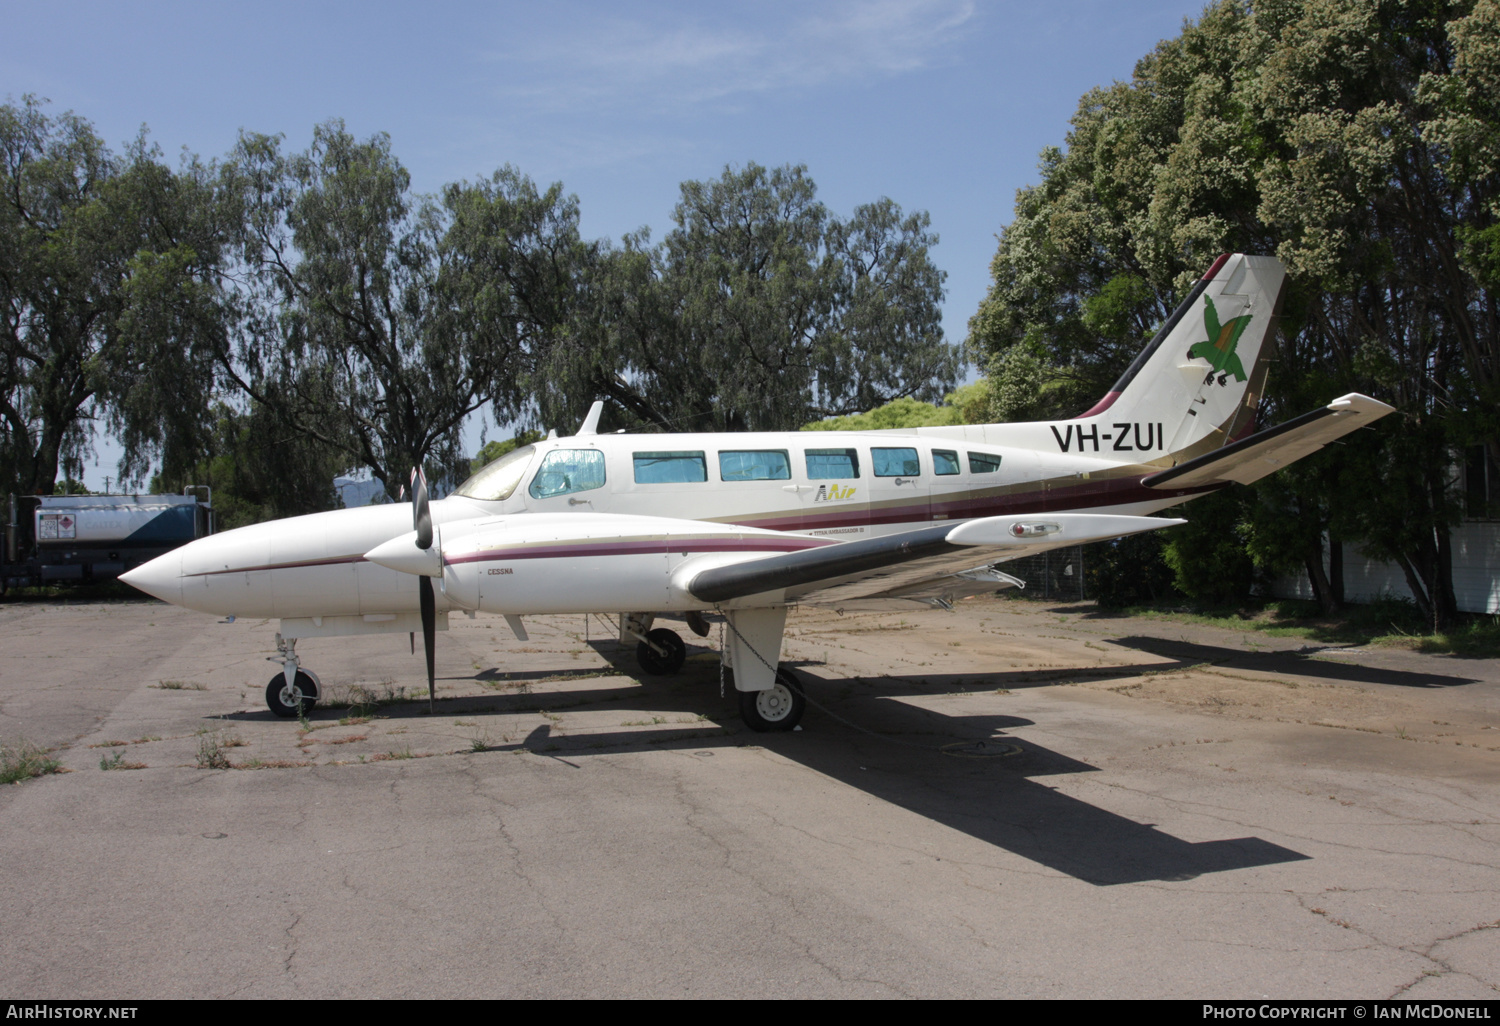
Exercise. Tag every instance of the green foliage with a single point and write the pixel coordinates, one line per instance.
(1127, 572)
(259, 469)
(379, 321)
(905, 412)
(1207, 554)
(1356, 141)
(761, 310)
(972, 402)
(108, 275)
(22, 760)
(492, 451)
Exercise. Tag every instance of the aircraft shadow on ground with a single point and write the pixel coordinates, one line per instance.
(894, 754)
(1187, 654)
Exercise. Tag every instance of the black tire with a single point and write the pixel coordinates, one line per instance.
(285, 705)
(778, 708)
(665, 663)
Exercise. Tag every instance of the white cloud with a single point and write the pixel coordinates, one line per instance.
(660, 62)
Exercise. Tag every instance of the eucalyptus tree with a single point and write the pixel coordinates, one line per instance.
(109, 269)
(761, 309)
(1353, 139)
(340, 317)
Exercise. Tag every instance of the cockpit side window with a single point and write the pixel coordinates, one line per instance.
(565, 471)
(496, 481)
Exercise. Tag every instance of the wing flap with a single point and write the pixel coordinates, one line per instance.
(1266, 452)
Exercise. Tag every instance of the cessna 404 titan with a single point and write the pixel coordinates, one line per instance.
(750, 524)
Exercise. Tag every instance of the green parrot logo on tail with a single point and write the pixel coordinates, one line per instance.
(1219, 348)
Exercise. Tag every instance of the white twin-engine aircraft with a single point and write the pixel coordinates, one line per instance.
(749, 524)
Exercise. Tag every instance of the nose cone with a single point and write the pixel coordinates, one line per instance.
(401, 553)
(160, 578)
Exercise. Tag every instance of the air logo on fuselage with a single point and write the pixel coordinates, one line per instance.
(1119, 439)
(833, 493)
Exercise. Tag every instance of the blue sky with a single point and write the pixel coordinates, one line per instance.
(942, 105)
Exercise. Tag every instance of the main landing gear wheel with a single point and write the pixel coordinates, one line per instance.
(671, 657)
(778, 708)
(283, 700)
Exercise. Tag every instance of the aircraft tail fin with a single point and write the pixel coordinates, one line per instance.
(1197, 383)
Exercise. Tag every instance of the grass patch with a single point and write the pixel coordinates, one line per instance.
(213, 750)
(117, 762)
(180, 685)
(22, 760)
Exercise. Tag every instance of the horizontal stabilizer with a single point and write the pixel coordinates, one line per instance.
(1265, 452)
(922, 555)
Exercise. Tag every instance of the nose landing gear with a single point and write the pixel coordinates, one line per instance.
(294, 690)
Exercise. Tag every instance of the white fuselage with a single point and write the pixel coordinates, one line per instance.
(829, 486)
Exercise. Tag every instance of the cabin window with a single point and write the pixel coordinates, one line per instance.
(670, 467)
(894, 462)
(755, 465)
(831, 464)
(944, 462)
(983, 463)
(496, 481)
(565, 471)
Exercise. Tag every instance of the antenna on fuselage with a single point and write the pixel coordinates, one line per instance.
(590, 424)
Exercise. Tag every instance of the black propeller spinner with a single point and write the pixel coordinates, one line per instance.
(421, 516)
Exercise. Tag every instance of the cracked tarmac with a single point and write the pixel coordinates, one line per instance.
(1172, 811)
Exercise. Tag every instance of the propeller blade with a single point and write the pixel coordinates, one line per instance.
(421, 511)
(429, 637)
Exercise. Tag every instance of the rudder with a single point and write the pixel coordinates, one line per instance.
(1202, 375)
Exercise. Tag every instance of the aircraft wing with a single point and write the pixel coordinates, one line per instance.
(1265, 452)
(930, 565)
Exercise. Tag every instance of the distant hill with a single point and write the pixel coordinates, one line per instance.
(359, 493)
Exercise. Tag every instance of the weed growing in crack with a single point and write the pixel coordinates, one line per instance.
(117, 762)
(212, 750)
(22, 760)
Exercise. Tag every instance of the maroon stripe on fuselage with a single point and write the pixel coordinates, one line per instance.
(655, 546)
(297, 565)
(970, 506)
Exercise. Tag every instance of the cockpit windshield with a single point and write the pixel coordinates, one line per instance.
(495, 481)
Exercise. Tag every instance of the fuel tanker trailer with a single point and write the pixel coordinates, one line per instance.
(52, 539)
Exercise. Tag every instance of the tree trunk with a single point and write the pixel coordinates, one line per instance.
(1444, 601)
(1336, 571)
(1418, 590)
(1322, 591)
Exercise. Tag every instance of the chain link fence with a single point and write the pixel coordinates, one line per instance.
(1055, 576)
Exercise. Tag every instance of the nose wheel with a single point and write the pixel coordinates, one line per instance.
(778, 708)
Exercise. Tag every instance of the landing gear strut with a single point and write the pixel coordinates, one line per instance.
(294, 691)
